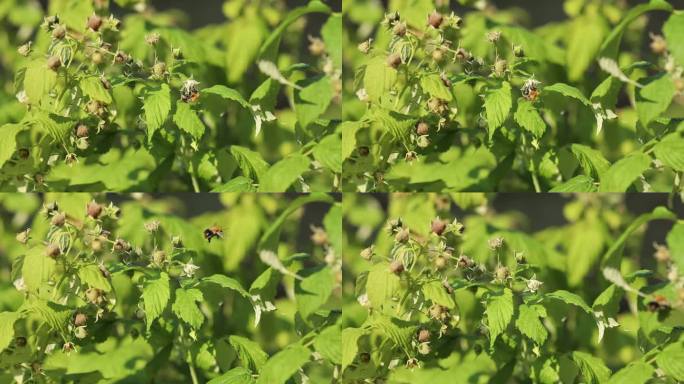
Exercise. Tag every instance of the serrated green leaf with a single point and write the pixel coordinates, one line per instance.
(8, 141)
(624, 172)
(332, 36)
(186, 118)
(314, 290)
(592, 161)
(156, 294)
(281, 366)
(580, 183)
(185, 306)
(585, 36)
(497, 106)
(350, 346)
(7, 320)
(569, 91)
(592, 368)
(37, 268)
(328, 152)
(432, 85)
(528, 324)
(378, 78)
(528, 117)
(671, 360)
(635, 373)
(381, 285)
(227, 94)
(249, 352)
(237, 184)
(569, 298)
(674, 35)
(251, 163)
(349, 130)
(654, 98)
(91, 275)
(284, 173)
(157, 106)
(670, 151)
(92, 87)
(38, 80)
(499, 313)
(226, 282)
(435, 292)
(329, 344)
(313, 99)
(238, 375)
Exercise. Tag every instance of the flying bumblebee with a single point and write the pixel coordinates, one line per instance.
(213, 231)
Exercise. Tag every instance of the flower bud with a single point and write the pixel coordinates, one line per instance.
(394, 60)
(52, 250)
(367, 253)
(402, 236)
(365, 46)
(82, 130)
(423, 335)
(159, 69)
(422, 128)
(152, 38)
(58, 32)
(24, 49)
(80, 333)
(23, 236)
(396, 267)
(158, 257)
(93, 209)
(501, 273)
(80, 319)
(58, 220)
(435, 19)
(440, 262)
(53, 62)
(94, 22)
(399, 29)
(658, 44)
(316, 46)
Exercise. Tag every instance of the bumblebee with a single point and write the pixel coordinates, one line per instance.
(189, 92)
(658, 304)
(213, 231)
(530, 90)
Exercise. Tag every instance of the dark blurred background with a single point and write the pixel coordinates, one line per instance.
(203, 12)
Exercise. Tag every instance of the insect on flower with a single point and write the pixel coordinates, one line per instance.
(189, 91)
(530, 90)
(213, 231)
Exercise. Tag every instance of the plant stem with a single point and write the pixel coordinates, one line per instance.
(191, 366)
(195, 184)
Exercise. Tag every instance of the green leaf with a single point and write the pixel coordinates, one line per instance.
(249, 352)
(674, 35)
(251, 163)
(332, 36)
(381, 285)
(497, 105)
(435, 292)
(281, 366)
(156, 294)
(236, 375)
(314, 290)
(434, 86)
(328, 152)
(284, 173)
(670, 151)
(226, 282)
(654, 98)
(675, 242)
(350, 345)
(671, 360)
(186, 119)
(534, 44)
(328, 344)
(584, 249)
(528, 117)
(397, 331)
(157, 106)
(8, 141)
(58, 127)
(569, 298)
(37, 268)
(528, 324)
(592, 161)
(378, 78)
(185, 306)
(227, 94)
(56, 316)
(585, 36)
(592, 368)
(624, 172)
(349, 130)
(499, 313)
(7, 320)
(237, 184)
(313, 99)
(333, 226)
(635, 373)
(92, 87)
(580, 183)
(91, 275)
(569, 91)
(244, 37)
(611, 44)
(38, 80)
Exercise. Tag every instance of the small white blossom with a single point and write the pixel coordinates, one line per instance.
(189, 269)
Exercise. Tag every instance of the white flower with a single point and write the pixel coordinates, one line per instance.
(189, 269)
(364, 301)
(261, 116)
(22, 97)
(19, 284)
(533, 284)
(362, 94)
(260, 306)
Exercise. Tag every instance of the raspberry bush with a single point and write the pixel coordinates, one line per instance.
(486, 99)
(130, 99)
(477, 297)
(95, 292)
